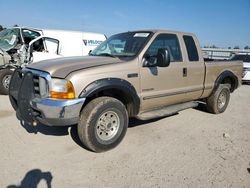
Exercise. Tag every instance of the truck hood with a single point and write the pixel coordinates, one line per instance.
(61, 67)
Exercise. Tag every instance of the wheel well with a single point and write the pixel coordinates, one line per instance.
(227, 77)
(230, 80)
(120, 95)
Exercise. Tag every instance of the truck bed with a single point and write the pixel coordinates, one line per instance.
(215, 68)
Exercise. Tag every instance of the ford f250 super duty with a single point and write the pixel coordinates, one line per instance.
(142, 74)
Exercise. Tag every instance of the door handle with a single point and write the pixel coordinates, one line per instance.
(184, 72)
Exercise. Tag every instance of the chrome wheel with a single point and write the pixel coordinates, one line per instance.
(107, 125)
(6, 81)
(222, 99)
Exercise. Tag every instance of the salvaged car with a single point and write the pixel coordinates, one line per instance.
(20, 46)
(142, 74)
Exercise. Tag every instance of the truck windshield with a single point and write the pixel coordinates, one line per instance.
(122, 45)
(9, 38)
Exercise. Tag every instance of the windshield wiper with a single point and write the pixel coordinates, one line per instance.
(107, 55)
(125, 55)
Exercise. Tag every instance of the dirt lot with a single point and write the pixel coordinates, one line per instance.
(190, 149)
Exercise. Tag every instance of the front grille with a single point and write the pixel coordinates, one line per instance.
(36, 85)
(40, 81)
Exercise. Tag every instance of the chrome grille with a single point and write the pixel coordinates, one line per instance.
(36, 85)
(41, 82)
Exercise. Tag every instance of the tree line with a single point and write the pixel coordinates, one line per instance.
(235, 47)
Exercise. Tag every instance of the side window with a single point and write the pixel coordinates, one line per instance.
(166, 41)
(29, 35)
(38, 45)
(191, 48)
(52, 45)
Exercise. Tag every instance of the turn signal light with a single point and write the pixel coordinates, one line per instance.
(69, 92)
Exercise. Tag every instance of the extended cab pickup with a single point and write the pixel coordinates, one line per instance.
(142, 74)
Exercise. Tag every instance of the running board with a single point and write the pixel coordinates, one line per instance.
(166, 111)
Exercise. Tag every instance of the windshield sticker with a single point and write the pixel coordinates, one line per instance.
(141, 35)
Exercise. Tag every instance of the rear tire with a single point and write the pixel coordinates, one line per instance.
(5, 76)
(218, 101)
(103, 124)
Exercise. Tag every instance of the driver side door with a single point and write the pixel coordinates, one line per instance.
(162, 86)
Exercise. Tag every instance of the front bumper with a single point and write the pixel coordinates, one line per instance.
(57, 112)
(30, 107)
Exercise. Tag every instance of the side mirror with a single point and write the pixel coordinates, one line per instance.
(147, 62)
(163, 58)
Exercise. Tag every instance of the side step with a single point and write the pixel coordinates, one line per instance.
(166, 111)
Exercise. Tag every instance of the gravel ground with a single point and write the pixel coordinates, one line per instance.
(190, 149)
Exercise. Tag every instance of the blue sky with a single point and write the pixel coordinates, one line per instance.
(220, 22)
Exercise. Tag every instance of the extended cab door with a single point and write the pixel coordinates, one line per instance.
(195, 67)
(161, 86)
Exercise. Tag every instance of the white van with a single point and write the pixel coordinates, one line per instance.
(49, 44)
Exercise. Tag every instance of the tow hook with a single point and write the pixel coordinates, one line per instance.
(34, 123)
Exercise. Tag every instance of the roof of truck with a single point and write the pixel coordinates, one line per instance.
(162, 31)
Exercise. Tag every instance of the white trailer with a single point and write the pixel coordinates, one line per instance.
(57, 43)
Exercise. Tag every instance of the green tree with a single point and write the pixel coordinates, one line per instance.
(246, 47)
(236, 47)
(1, 28)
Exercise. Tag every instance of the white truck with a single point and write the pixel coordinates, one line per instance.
(20, 46)
(245, 57)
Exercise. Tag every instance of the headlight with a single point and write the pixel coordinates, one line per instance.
(43, 87)
(61, 89)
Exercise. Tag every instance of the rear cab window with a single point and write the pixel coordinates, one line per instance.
(191, 48)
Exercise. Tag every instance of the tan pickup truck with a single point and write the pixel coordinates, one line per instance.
(143, 74)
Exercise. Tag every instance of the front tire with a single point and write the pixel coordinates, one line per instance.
(218, 101)
(5, 76)
(103, 124)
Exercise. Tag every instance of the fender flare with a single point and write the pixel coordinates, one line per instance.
(113, 83)
(227, 74)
